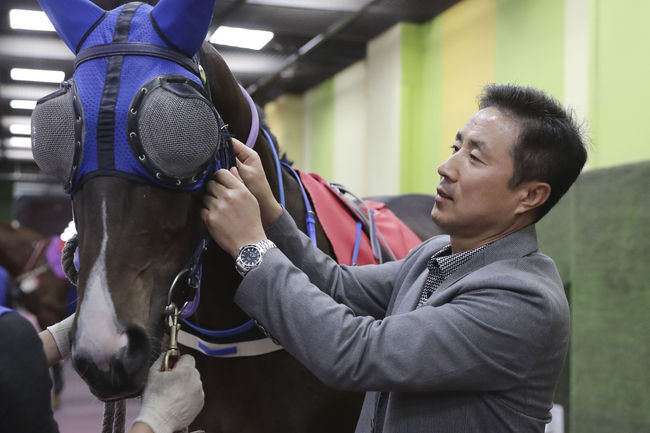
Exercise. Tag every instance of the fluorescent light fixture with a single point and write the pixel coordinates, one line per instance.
(18, 154)
(20, 129)
(22, 104)
(21, 19)
(19, 143)
(240, 37)
(41, 75)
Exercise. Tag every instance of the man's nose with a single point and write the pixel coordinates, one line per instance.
(446, 169)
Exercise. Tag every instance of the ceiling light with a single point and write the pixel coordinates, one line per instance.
(22, 19)
(42, 75)
(17, 154)
(20, 129)
(22, 104)
(19, 143)
(240, 37)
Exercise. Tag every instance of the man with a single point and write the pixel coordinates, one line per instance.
(469, 332)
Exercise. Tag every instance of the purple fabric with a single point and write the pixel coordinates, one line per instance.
(53, 254)
(4, 310)
(255, 123)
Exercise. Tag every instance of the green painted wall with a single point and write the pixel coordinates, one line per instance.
(320, 129)
(600, 238)
(620, 89)
(530, 44)
(421, 110)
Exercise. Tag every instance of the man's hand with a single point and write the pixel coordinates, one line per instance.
(252, 174)
(171, 399)
(231, 212)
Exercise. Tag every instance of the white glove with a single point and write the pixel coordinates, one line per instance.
(61, 334)
(171, 399)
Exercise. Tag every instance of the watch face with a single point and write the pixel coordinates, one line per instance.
(250, 255)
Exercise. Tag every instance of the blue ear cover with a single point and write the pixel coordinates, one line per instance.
(73, 19)
(185, 23)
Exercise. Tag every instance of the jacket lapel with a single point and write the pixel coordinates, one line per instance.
(515, 245)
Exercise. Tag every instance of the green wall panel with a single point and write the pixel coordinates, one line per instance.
(609, 302)
(555, 232)
(530, 44)
(321, 129)
(421, 110)
(621, 88)
(599, 236)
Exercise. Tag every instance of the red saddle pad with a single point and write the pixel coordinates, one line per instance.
(339, 223)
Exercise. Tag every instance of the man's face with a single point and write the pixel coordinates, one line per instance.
(474, 201)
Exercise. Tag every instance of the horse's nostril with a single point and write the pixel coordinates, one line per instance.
(138, 350)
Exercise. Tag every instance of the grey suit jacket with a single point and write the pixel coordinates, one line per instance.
(483, 355)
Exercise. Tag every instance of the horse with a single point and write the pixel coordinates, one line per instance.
(40, 288)
(414, 210)
(138, 242)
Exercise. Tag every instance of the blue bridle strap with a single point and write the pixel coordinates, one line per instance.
(310, 221)
(233, 332)
(137, 49)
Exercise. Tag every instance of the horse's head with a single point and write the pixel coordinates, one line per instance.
(133, 137)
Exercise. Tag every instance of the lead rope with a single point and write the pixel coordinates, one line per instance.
(114, 417)
(114, 411)
(67, 259)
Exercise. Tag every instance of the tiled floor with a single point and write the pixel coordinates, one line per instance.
(80, 411)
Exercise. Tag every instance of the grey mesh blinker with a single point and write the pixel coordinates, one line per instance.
(173, 129)
(57, 133)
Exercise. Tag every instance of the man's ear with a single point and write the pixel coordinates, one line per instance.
(533, 195)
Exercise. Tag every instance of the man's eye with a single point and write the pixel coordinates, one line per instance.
(454, 148)
(474, 158)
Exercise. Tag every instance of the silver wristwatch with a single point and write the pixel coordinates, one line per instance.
(250, 256)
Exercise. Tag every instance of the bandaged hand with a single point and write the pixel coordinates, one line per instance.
(61, 334)
(171, 399)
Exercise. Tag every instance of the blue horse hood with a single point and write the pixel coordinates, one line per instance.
(107, 85)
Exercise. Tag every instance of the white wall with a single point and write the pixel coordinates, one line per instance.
(350, 128)
(384, 72)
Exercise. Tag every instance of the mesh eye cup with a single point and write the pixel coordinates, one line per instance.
(57, 133)
(173, 130)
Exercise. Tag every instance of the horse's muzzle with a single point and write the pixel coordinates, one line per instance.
(125, 373)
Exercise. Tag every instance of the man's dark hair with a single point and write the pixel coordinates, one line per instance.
(549, 147)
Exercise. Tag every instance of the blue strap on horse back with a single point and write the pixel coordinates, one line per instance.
(4, 310)
(357, 243)
(4, 286)
(310, 221)
(276, 159)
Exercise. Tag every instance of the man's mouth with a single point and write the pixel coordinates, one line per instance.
(443, 194)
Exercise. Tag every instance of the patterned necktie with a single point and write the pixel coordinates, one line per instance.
(434, 278)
